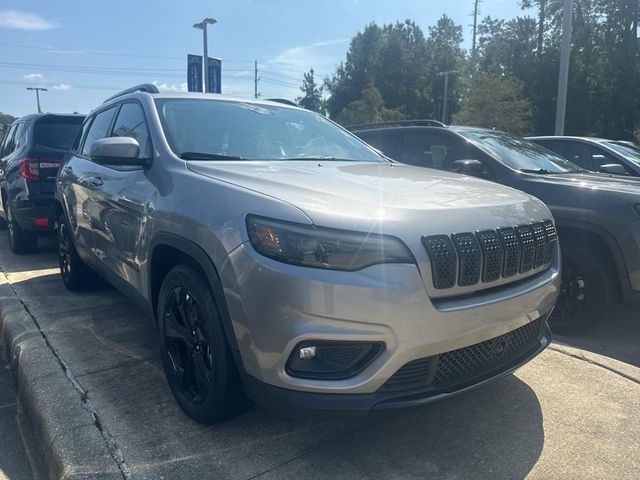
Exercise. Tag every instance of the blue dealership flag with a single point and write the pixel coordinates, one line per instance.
(194, 73)
(214, 71)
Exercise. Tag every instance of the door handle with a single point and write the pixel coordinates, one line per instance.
(95, 181)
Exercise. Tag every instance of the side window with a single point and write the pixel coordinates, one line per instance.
(81, 134)
(20, 136)
(99, 129)
(428, 149)
(387, 142)
(597, 157)
(8, 141)
(568, 150)
(132, 123)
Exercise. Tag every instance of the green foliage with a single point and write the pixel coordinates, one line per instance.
(5, 121)
(393, 70)
(496, 101)
(370, 108)
(312, 94)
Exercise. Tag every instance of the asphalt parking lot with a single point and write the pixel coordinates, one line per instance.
(571, 413)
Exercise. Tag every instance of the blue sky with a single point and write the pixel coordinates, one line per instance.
(85, 50)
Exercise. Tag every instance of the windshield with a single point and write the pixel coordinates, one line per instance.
(518, 153)
(217, 130)
(627, 151)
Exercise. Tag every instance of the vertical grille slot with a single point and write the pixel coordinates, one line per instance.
(443, 260)
(470, 258)
(540, 239)
(493, 255)
(552, 240)
(512, 251)
(528, 246)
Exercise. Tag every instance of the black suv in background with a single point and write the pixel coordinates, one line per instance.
(595, 154)
(597, 216)
(30, 156)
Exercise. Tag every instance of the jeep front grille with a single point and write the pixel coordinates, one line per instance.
(488, 255)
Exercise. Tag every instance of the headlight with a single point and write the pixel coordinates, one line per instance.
(326, 248)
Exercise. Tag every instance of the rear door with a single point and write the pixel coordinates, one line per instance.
(121, 203)
(77, 181)
(5, 153)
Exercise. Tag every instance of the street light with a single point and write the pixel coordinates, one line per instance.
(38, 89)
(203, 26)
(446, 92)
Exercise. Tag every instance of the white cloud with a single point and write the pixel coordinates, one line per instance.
(62, 86)
(18, 20)
(34, 77)
(171, 87)
(317, 55)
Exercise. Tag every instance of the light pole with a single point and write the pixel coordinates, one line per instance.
(446, 92)
(563, 77)
(38, 89)
(205, 61)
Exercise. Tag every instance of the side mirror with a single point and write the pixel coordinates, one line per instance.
(469, 167)
(120, 151)
(613, 169)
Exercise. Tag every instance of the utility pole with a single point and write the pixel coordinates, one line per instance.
(205, 60)
(476, 3)
(446, 92)
(255, 80)
(563, 77)
(38, 90)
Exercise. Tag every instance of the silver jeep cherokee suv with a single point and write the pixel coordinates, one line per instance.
(287, 262)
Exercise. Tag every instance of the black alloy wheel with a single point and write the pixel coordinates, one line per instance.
(187, 344)
(197, 359)
(75, 274)
(584, 292)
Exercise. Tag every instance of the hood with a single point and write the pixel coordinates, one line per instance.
(361, 195)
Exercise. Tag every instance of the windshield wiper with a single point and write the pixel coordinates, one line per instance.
(541, 171)
(207, 156)
(316, 159)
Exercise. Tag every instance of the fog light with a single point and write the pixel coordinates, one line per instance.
(307, 353)
(331, 360)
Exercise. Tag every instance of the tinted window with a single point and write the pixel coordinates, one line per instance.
(627, 151)
(8, 140)
(57, 132)
(388, 142)
(256, 132)
(433, 150)
(597, 157)
(131, 123)
(568, 150)
(20, 137)
(99, 129)
(518, 153)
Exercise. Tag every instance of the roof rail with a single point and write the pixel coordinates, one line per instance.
(283, 100)
(145, 87)
(398, 123)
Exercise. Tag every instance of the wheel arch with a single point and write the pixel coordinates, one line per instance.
(168, 250)
(597, 241)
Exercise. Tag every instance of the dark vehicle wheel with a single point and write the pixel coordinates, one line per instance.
(584, 292)
(20, 241)
(196, 355)
(75, 274)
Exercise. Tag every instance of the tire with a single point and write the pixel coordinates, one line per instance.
(586, 290)
(76, 275)
(20, 241)
(196, 355)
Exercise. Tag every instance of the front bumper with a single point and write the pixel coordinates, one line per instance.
(295, 403)
(275, 306)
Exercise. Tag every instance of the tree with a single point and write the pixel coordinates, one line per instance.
(5, 121)
(312, 94)
(370, 108)
(496, 101)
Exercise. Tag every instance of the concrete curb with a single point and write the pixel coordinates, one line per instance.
(630, 372)
(66, 436)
